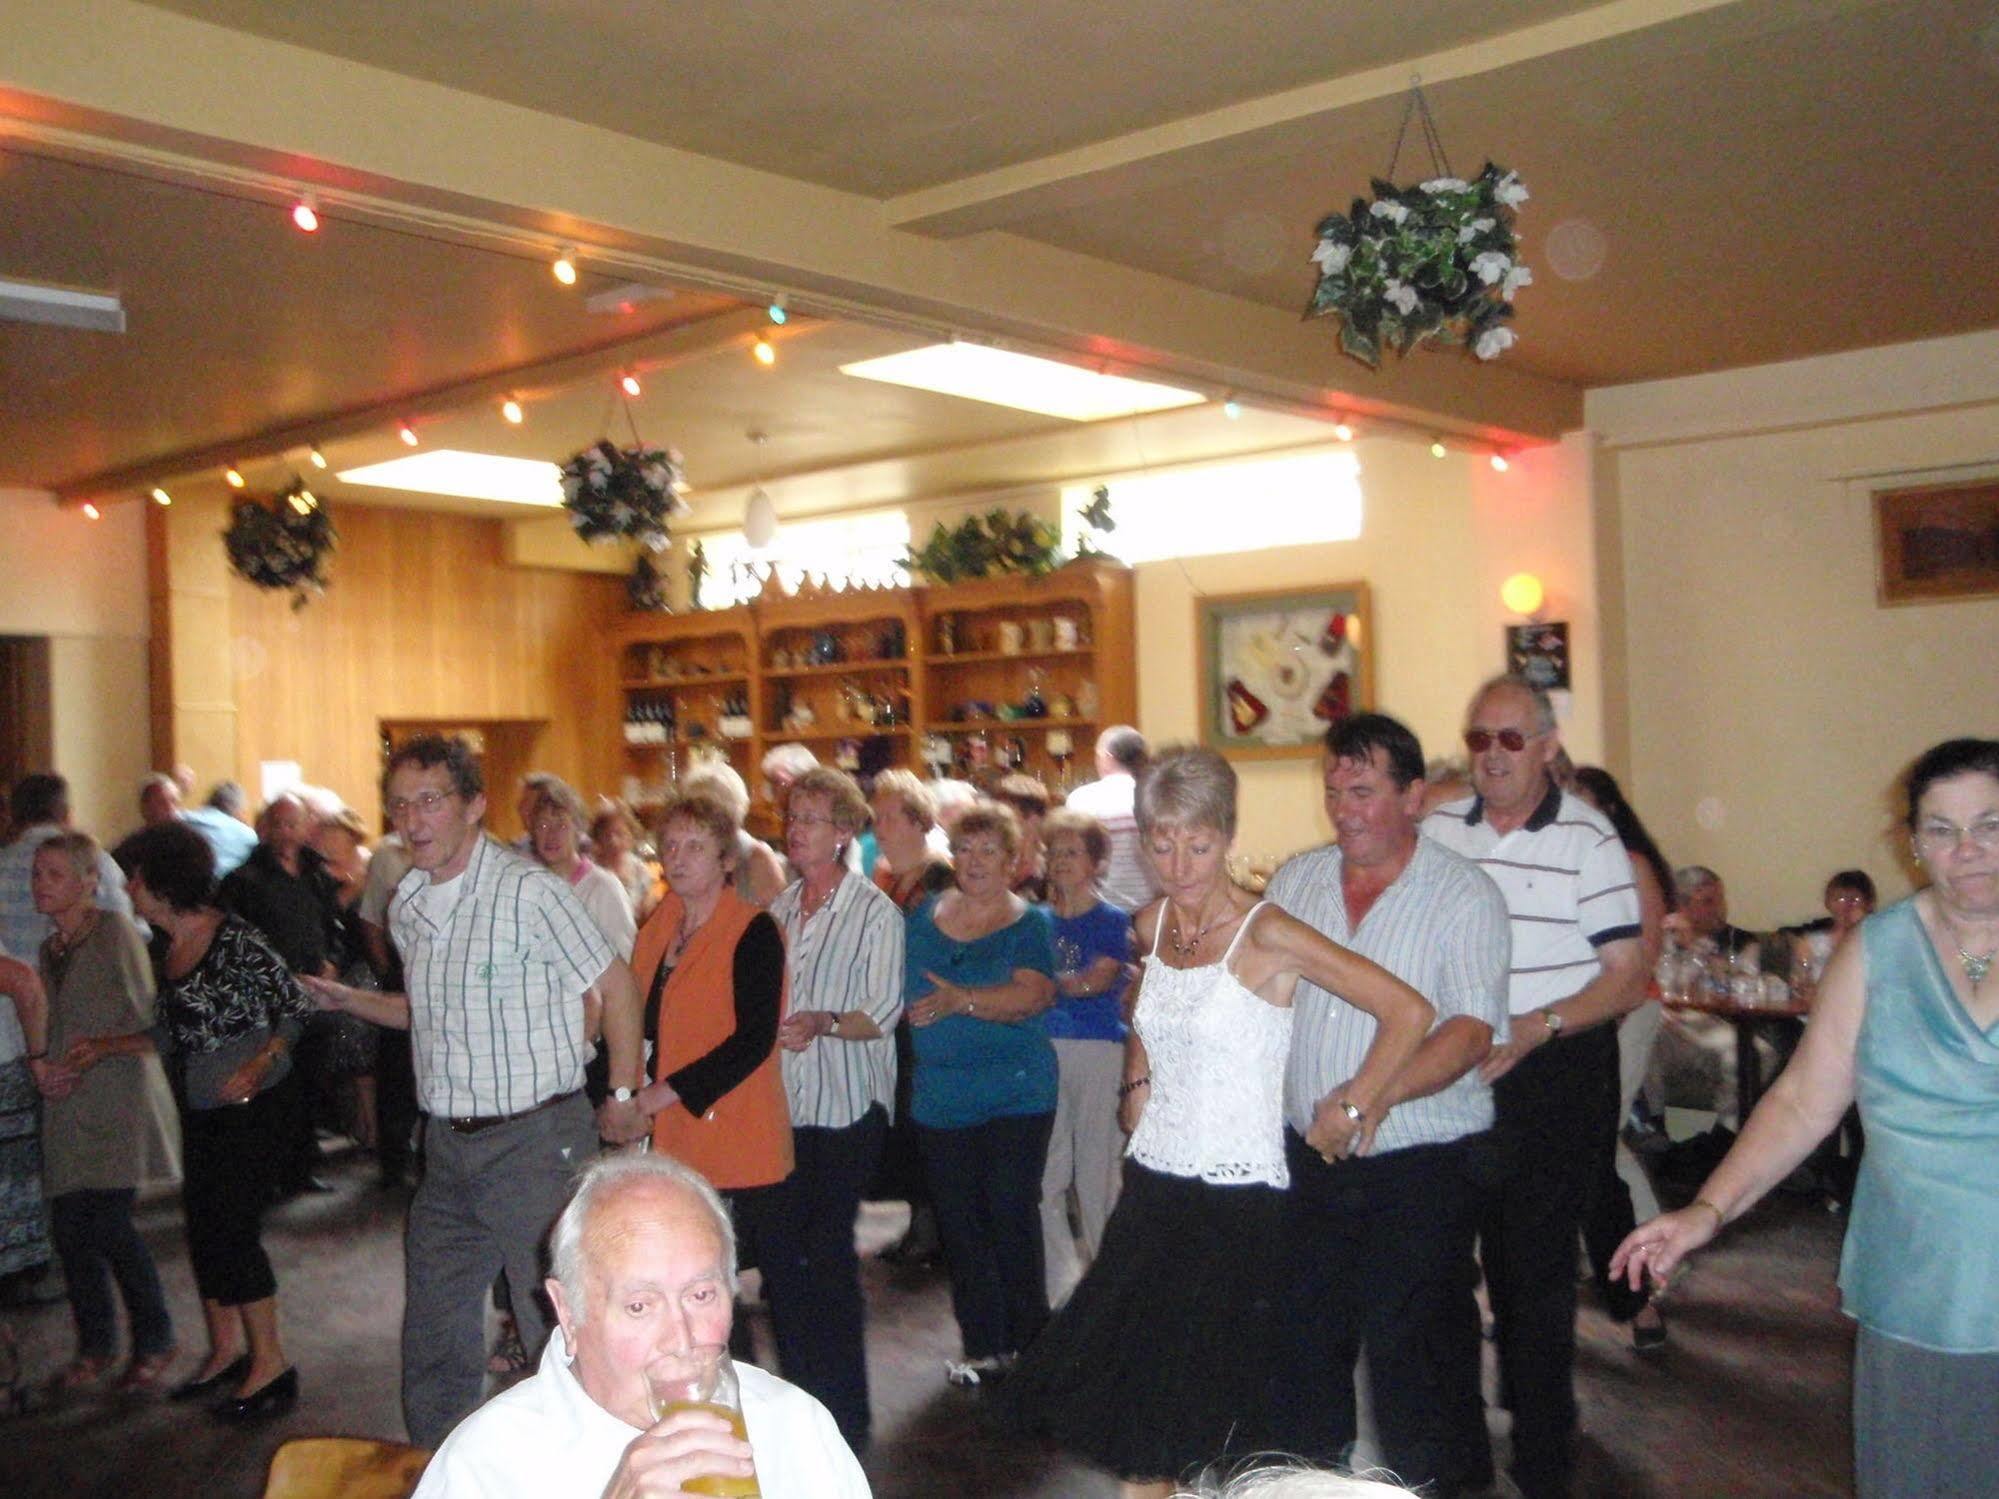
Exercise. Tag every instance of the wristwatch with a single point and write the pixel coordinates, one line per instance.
(622, 1095)
(1552, 1019)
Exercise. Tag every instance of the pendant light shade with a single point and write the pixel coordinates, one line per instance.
(759, 519)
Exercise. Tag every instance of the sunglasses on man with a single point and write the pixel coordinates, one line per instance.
(1478, 741)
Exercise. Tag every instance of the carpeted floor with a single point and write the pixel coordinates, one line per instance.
(1748, 1399)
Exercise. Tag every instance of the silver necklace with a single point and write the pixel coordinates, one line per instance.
(1976, 965)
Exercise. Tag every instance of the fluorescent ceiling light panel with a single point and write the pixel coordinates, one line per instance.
(469, 476)
(61, 306)
(1021, 381)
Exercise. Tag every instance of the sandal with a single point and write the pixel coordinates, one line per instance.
(83, 1374)
(509, 1355)
(146, 1373)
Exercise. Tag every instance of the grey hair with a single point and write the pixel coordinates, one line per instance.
(226, 796)
(791, 760)
(1188, 786)
(1544, 706)
(1692, 877)
(1295, 1481)
(568, 1251)
(722, 781)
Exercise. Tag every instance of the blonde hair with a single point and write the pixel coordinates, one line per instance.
(907, 788)
(719, 779)
(1188, 786)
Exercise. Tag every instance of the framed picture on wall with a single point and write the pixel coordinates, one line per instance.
(1938, 541)
(1278, 667)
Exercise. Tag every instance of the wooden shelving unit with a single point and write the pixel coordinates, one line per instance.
(982, 672)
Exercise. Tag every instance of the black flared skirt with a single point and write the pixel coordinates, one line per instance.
(1160, 1362)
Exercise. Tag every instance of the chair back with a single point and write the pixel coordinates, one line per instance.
(344, 1468)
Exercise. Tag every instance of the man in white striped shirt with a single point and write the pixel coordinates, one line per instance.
(1576, 968)
(498, 955)
(1381, 1242)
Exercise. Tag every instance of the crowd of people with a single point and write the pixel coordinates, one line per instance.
(1194, 1156)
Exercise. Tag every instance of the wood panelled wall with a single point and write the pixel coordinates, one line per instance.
(425, 620)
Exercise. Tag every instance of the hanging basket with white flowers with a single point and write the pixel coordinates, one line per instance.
(282, 542)
(1434, 261)
(633, 493)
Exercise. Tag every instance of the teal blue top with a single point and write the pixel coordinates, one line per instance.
(1921, 1261)
(971, 1071)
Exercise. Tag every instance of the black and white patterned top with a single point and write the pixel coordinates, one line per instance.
(239, 986)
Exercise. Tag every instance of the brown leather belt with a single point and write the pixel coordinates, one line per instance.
(472, 1124)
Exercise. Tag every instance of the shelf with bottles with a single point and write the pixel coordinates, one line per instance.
(1011, 632)
(1011, 725)
(693, 681)
(835, 706)
(898, 667)
(659, 718)
(836, 733)
(878, 640)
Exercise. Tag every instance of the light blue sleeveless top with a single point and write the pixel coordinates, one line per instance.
(1921, 1261)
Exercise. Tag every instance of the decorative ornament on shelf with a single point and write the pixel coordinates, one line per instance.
(1437, 260)
(985, 546)
(282, 542)
(646, 587)
(697, 573)
(612, 492)
(1097, 517)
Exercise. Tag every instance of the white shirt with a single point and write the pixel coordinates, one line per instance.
(1127, 880)
(1568, 888)
(496, 984)
(847, 957)
(1441, 927)
(547, 1439)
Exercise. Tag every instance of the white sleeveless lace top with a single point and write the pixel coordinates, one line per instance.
(1215, 1109)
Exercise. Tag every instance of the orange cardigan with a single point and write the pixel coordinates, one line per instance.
(744, 1140)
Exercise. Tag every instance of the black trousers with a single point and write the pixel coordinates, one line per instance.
(826, 1353)
(985, 1181)
(1556, 1110)
(231, 1159)
(1379, 1251)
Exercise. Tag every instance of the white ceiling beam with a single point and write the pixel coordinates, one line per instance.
(1066, 179)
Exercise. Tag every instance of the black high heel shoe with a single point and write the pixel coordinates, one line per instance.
(201, 1389)
(266, 1402)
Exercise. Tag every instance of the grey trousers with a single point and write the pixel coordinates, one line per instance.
(486, 1203)
(1925, 1423)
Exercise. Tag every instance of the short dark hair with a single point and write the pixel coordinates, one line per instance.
(1359, 736)
(428, 751)
(176, 863)
(1125, 745)
(40, 797)
(1858, 881)
(1942, 762)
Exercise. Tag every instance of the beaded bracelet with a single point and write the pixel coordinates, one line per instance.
(1126, 1089)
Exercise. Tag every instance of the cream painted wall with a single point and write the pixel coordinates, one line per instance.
(1772, 702)
(1437, 538)
(83, 584)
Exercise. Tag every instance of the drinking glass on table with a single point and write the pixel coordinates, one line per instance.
(704, 1379)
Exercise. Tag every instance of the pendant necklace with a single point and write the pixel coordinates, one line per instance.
(1976, 965)
(1187, 948)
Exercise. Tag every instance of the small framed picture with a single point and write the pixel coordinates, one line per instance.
(1938, 542)
(1540, 653)
(1278, 668)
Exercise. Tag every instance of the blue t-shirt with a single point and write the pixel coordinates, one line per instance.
(1103, 931)
(971, 1071)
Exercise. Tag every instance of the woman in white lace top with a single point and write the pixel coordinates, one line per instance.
(1159, 1363)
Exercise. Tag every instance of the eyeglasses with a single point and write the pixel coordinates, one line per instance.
(1478, 741)
(1943, 837)
(425, 802)
(807, 820)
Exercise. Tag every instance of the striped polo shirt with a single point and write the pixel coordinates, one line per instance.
(847, 957)
(496, 984)
(1567, 883)
(1441, 928)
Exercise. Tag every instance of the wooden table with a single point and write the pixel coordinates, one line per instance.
(1744, 1018)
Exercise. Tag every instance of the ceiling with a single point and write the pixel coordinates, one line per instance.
(1714, 185)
